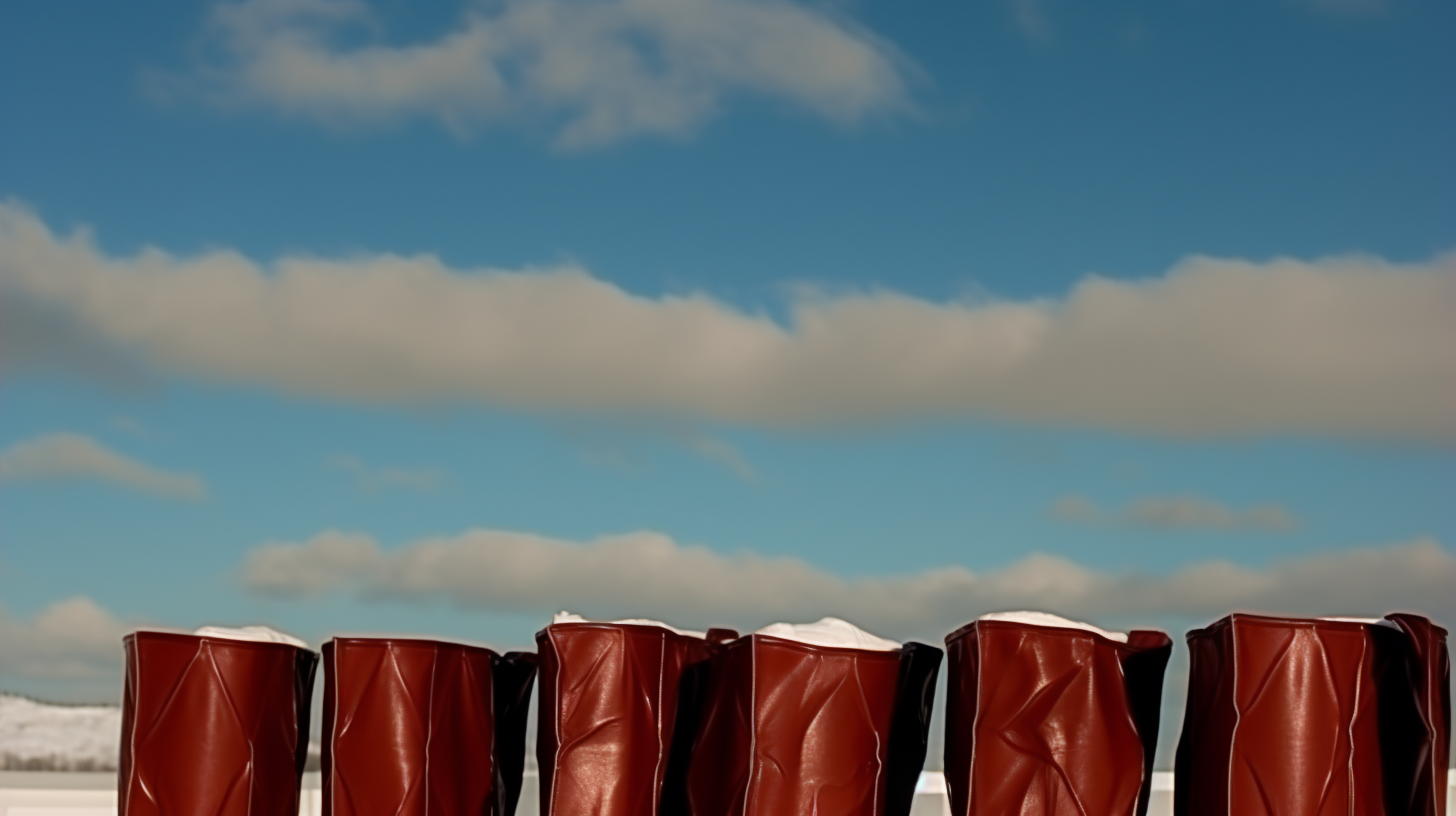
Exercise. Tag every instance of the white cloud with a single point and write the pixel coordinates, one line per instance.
(603, 70)
(64, 456)
(72, 640)
(648, 574)
(1353, 346)
(1186, 512)
(374, 479)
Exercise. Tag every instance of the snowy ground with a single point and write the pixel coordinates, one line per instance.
(41, 737)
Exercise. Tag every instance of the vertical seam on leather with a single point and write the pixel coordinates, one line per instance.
(975, 725)
(1350, 730)
(657, 769)
(1233, 735)
(137, 695)
(752, 720)
(864, 699)
(430, 722)
(334, 730)
(555, 725)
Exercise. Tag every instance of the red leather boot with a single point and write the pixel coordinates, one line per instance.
(1046, 716)
(802, 719)
(422, 728)
(1315, 716)
(214, 723)
(613, 696)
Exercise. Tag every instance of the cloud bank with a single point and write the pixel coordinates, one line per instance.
(1176, 513)
(71, 456)
(1352, 346)
(647, 574)
(603, 71)
(71, 640)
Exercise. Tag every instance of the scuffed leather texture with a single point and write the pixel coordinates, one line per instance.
(611, 696)
(1299, 717)
(213, 727)
(410, 727)
(910, 731)
(1049, 721)
(791, 728)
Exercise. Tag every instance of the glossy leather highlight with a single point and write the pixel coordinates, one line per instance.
(1310, 717)
(422, 728)
(612, 695)
(1051, 721)
(213, 726)
(793, 728)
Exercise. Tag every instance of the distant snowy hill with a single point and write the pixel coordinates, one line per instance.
(44, 737)
(36, 736)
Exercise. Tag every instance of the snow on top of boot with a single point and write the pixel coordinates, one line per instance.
(567, 617)
(830, 632)
(261, 634)
(1048, 619)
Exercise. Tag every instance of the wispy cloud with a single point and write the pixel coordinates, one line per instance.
(1186, 512)
(601, 71)
(374, 479)
(1352, 346)
(650, 574)
(71, 456)
(1031, 17)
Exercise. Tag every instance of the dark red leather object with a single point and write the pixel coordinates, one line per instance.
(422, 728)
(611, 698)
(794, 728)
(213, 726)
(1301, 717)
(1047, 720)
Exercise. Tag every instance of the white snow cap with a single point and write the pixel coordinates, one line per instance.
(567, 617)
(261, 634)
(1048, 619)
(830, 632)
(1367, 621)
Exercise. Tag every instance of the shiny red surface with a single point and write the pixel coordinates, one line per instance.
(610, 696)
(1045, 721)
(410, 728)
(791, 728)
(1301, 717)
(213, 727)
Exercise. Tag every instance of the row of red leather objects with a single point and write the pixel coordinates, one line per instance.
(213, 725)
(641, 719)
(1285, 717)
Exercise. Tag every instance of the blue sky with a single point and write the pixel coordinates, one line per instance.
(433, 318)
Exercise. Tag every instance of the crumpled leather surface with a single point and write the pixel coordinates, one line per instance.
(1049, 721)
(1300, 717)
(792, 728)
(611, 697)
(410, 727)
(213, 727)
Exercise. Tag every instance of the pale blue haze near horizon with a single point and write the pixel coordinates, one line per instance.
(1010, 153)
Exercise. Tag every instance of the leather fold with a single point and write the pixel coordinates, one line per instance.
(1045, 720)
(792, 727)
(213, 726)
(617, 702)
(910, 728)
(513, 676)
(1315, 716)
(418, 727)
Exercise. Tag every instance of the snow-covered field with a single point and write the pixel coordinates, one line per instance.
(42, 737)
(37, 739)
